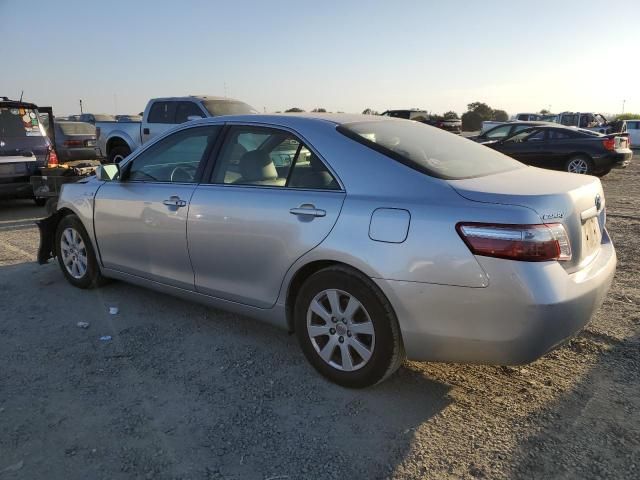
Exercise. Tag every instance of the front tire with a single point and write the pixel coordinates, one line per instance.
(579, 164)
(75, 254)
(347, 329)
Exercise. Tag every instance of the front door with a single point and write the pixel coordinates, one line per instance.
(141, 220)
(269, 201)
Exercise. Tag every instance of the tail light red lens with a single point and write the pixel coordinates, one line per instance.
(52, 161)
(609, 143)
(73, 143)
(528, 243)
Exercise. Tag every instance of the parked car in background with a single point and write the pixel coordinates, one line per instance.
(381, 237)
(504, 130)
(92, 118)
(633, 128)
(116, 140)
(588, 121)
(569, 149)
(519, 117)
(453, 125)
(75, 140)
(24, 147)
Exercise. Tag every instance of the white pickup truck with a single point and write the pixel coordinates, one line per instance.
(116, 140)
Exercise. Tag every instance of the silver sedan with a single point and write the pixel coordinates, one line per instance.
(372, 239)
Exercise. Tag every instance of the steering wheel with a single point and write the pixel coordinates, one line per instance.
(183, 173)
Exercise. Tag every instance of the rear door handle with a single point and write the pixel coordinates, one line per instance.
(308, 210)
(174, 201)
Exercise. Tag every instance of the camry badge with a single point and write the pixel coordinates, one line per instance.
(598, 202)
(552, 216)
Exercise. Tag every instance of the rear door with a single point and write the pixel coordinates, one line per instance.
(141, 220)
(270, 200)
(161, 117)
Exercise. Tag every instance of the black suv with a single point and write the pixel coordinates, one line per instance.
(24, 147)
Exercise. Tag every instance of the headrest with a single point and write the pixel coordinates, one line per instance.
(257, 165)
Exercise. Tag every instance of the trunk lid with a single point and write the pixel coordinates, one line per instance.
(576, 201)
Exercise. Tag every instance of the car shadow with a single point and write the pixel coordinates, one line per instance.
(178, 389)
(592, 431)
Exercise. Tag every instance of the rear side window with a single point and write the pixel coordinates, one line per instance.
(162, 112)
(558, 135)
(19, 123)
(429, 150)
(186, 110)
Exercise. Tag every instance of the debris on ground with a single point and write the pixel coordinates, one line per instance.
(84, 325)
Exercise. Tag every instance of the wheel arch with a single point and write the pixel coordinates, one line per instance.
(117, 140)
(306, 271)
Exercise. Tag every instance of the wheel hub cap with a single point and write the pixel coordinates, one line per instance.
(340, 330)
(73, 253)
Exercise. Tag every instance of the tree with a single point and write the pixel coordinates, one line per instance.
(294, 110)
(319, 110)
(544, 111)
(627, 116)
(500, 116)
(471, 121)
(482, 109)
(450, 115)
(369, 111)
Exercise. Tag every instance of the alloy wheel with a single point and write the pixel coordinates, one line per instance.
(340, 330)
(74, 253)
(578, 165)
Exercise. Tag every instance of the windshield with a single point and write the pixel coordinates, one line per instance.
(428, 149)
(19, 122)
(227, 107)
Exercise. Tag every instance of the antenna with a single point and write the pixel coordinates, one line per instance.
(22, 93)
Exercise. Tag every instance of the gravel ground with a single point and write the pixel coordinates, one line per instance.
(187, 392)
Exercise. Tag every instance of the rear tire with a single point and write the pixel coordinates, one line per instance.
(119, 153)
(579, 164)
(75, 254)
(355, 339)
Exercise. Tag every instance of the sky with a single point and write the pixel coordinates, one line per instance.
(340, 55)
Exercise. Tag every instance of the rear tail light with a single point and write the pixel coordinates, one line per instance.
(609, 143)
(52, 161)
(73, 143)
(529, 243)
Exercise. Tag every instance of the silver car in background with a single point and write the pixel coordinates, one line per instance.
(370, 238)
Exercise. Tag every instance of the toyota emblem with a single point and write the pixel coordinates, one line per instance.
(598, 202)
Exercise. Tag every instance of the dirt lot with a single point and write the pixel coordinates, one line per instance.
(186, 392)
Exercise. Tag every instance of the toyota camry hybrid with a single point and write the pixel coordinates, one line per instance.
(373, 239)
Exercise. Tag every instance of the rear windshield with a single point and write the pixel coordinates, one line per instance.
(429, 149)
(227, 107)
(77, 128)
(19, 122)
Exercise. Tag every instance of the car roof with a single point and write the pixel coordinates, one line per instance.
(16, 104)
(304, 118)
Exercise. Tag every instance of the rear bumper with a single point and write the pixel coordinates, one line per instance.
(18, 188)
(88, 153)
(526, 311)
(618, 159)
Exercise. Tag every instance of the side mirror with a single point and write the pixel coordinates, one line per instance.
(108, 172)
(194, 117)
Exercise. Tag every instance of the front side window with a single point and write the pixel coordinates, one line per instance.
(429, 150)
(162, 112)
(184, 110)
(269, 157)
(175, 158)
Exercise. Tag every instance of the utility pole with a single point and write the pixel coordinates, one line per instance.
(81, 107)
(623, 105)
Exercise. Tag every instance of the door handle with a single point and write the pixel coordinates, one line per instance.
(174, 201)
(145, 131)
(308, 210)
